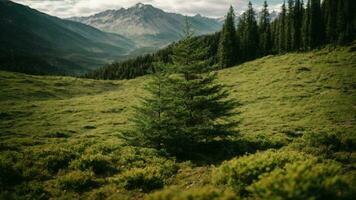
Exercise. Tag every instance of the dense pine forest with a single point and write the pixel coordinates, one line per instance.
(262, 110)
(299, 27)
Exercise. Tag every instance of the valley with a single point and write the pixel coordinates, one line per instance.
(51, 126)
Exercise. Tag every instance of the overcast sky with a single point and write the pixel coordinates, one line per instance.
(210, 8)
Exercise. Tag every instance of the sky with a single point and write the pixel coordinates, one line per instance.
(209, 8)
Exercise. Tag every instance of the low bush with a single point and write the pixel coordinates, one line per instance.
(241, 172)
(51, 159)
(146, 179)
(9, 174)
(76, 181)
(204, 193)
(98, 163)
(305, 180)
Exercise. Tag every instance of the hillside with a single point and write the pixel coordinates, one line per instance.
(147, 25)
(37, 43)
(58, 129)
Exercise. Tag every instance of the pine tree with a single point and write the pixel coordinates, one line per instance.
(200, 109)
(249, 33)
(282, 29)
(186, 106)
(306, 28)
(298, 22)
(289, 38)
(265, 40)
(330, 15)
(315, 24)
(228, 49)
(150, 118)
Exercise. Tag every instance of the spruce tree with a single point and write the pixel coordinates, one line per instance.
(228, 49)
(186, 106)
(298, 22)
(249, 33)
(315, 24)
(265, 40)
(282, 29)
(289, 38)
(150, 118)
(330, 16)
(200, 108)
(306, 28)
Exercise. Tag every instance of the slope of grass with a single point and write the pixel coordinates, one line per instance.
(60, 135)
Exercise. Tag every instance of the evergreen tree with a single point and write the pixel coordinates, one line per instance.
(330, 16)
(150, 118)
(200, 109)
(186, 107)
(315, 24)
(346, 21)
(249, 33)
(265, 40)
(228, 49)
(282, 29)
(306, 28)
(289, 38)
(298, 22)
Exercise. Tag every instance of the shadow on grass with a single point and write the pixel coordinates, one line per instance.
(216, 152)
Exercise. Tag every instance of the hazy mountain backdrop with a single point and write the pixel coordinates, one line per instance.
(148, 26)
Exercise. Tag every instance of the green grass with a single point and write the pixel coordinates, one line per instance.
(50, 126)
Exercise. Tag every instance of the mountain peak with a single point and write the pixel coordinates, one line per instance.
(142, 6)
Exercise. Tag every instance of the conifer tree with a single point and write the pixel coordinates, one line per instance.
(150, 118)
(249, 33)
(200, 110)
(306, 28)
(298, 22)
(315, 24)
(282, 29)
(186, 106)
(265, 40)
(228, 49)
(290, 26)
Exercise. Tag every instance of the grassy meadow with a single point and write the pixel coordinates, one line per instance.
(61, 137)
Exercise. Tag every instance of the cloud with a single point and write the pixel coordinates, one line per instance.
(211, 8)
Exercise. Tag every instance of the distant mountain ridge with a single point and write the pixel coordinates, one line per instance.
(35, 42)
(147, 25)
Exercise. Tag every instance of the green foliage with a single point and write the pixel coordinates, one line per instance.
(54, 159)
(204, 193)
(186, 106)
(305, 180)
(98, 163)
(247, 31)
(228, 49)
(146, 179)
(9, 174)
(243, 171)
(285, 100)
(76, 181)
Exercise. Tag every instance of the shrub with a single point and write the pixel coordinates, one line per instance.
(76, 181)
(204, 193)
(305, 180)
(9, 174)
(51, 158)
(241, 172)
(146, 179)
(98, 163)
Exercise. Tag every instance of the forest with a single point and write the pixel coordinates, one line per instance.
(299, 27)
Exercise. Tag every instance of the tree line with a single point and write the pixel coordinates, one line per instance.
(300, 26)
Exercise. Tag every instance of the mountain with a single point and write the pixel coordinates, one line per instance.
(37, 43)
(147, 25)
